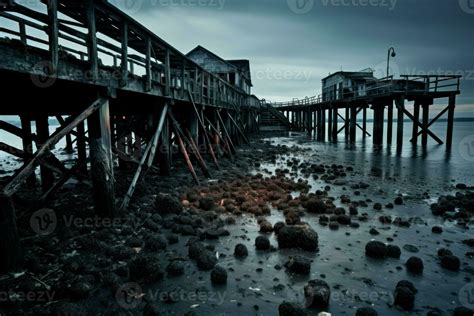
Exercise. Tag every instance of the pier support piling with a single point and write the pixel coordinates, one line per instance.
(400, 103)
(352, 123)
(449, 133)
(42, 132)
(100, 147)
(426, 115)
(390, 122)
(416, 116)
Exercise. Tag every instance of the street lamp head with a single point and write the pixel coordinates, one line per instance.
(393, 54)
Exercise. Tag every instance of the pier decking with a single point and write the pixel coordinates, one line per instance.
(315, 114)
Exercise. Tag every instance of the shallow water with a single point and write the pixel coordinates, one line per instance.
(355, 280)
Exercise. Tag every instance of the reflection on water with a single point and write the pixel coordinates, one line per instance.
(433, 164)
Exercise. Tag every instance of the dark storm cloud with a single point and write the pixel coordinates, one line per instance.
(293, 44)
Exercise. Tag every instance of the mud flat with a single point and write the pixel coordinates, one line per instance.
(283, 229)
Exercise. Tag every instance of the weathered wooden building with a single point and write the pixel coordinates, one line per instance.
(235, 72)
(345, 84)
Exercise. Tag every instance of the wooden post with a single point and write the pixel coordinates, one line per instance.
(92, 40)
(353, 123)
(168, 72)
(316, 124)
(449, 134)
(416, 116)
(164, 153)
(330, 124)
(27, 144)
(400, 103)
(309, 128)
(183, 78)
(323, 125)
(390, 123)
(194, 125)
(148, 65)
(364, 122)
(42, 131)
(426, 115)
(378, 123)
(81, 147)
(53, 32)
(334, 123)
(347, 117)
(9, 241)
(124, 61)
(102, 171)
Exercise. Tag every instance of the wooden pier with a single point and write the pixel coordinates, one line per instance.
(120, 94)
(321, 118)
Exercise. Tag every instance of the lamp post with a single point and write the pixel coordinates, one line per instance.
(391, 52)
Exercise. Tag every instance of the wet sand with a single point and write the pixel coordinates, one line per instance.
(141, 263)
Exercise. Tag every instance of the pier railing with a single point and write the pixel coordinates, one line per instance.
(104, 39)
(408, 84)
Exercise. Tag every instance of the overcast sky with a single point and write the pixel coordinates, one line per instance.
(293, 44)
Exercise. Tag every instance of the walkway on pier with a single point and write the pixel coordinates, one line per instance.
(316, 114)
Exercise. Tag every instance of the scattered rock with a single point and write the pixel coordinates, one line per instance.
(262, 243)
(437, 230)
(206, 203)
(398, 201)
(366, 311)
(175, 268)
(298, 236)
(463, 311)
(405, 293)
(291, 309)
(376, 249)
(218, 275)
(444, 252)
(166, 204)
(373, 231)
(266, 226)
(415, 265)
(241, 251)
(450, 262)
(315, 206)
(317, 294)
(146, 267)
(298, 265)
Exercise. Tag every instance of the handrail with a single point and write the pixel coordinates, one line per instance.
(170, 68)
(382, 87)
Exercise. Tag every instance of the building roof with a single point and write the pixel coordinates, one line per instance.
(353, 74)
(241, 65)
